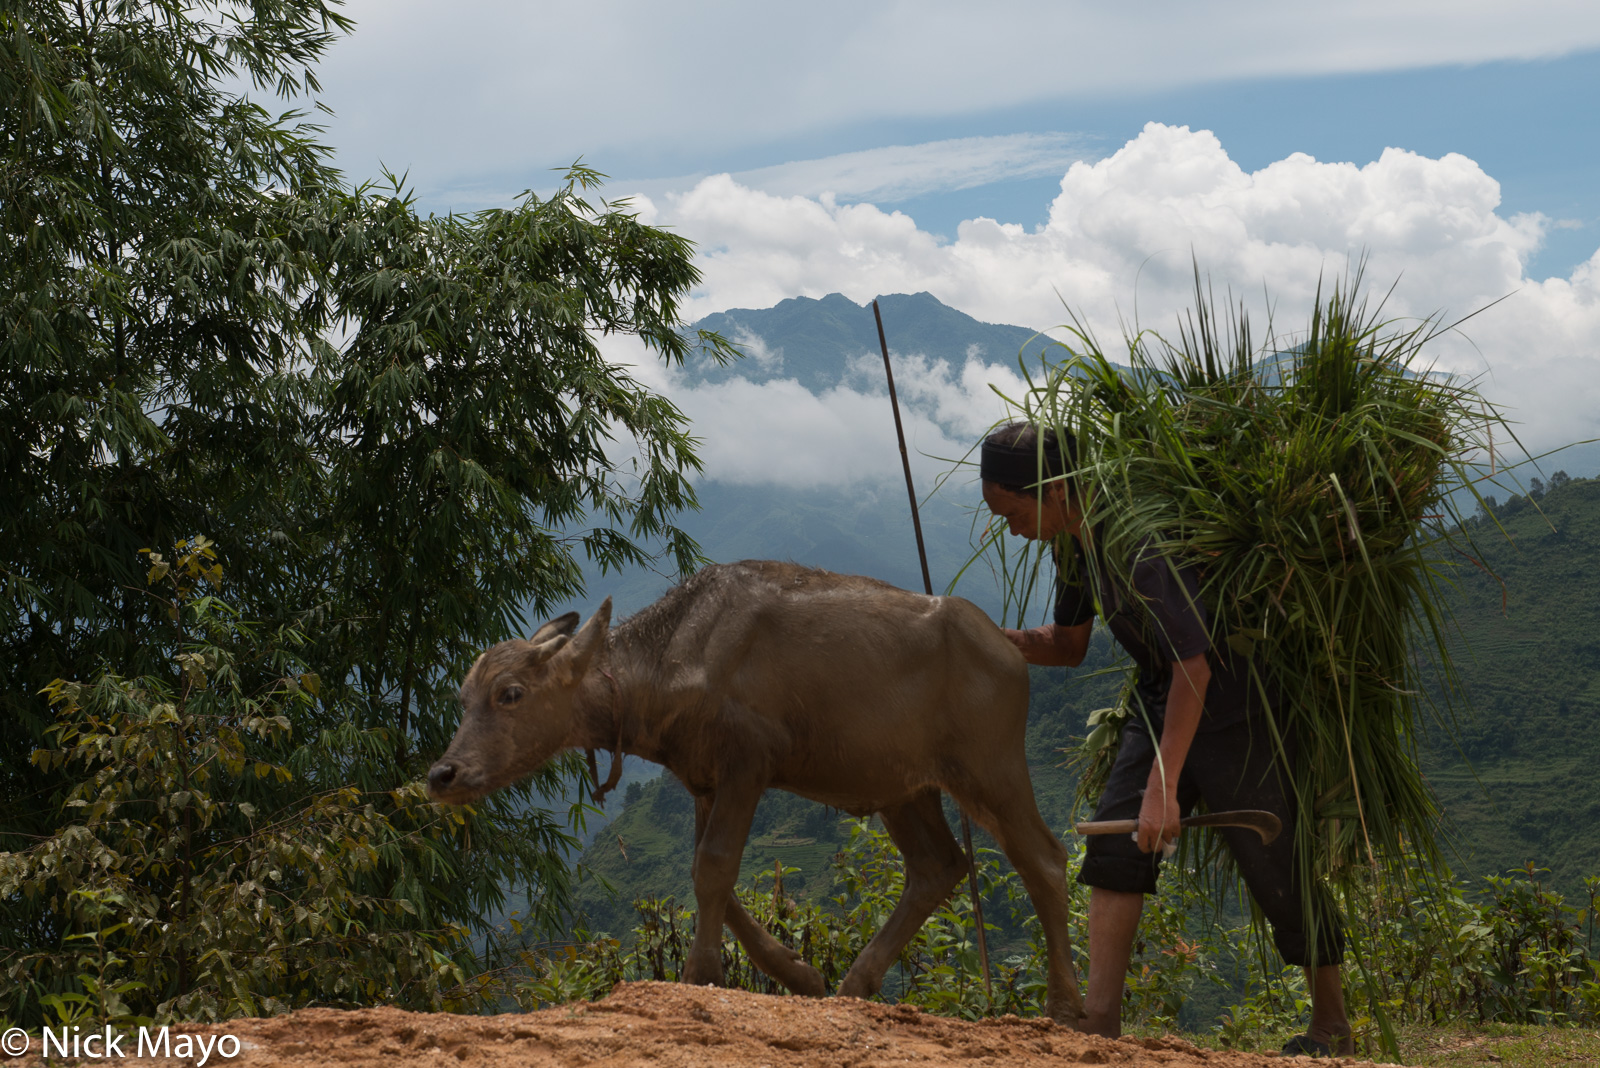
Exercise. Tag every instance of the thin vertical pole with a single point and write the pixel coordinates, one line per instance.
(905, 458)
(927, 587)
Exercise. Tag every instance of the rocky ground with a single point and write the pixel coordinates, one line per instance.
(668, 1024)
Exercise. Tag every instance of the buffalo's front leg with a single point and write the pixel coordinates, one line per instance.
(722, 823)
(934, 865)
(767, 953)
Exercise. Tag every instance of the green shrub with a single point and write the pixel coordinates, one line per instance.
(209, 861)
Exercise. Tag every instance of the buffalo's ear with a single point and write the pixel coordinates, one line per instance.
(559, 627)
(571, 662)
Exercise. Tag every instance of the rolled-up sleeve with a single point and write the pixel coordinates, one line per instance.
(1074, 602)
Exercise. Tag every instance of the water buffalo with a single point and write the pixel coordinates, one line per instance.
(760, 674)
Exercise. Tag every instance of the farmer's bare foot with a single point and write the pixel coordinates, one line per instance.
(1340, 1044)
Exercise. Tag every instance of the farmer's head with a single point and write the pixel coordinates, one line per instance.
(1026, 484)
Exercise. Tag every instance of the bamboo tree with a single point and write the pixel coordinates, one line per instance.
(397, 432)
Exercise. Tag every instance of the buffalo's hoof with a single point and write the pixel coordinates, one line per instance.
(857, 986)
(1067, 1013)
(804, 980)
(702, 975)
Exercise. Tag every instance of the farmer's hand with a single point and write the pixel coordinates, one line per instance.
(1158, 816)
(1051, 645)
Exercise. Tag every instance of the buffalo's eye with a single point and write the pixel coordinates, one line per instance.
(510, 695)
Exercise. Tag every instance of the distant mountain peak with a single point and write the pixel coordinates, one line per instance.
(813, 340)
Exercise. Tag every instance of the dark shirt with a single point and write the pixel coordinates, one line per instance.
(1159, 621)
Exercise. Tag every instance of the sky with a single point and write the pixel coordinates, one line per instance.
(1020, 160)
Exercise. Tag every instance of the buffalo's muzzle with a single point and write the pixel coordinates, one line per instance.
(441, 776)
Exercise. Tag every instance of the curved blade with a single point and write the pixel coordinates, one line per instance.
(1265, 824)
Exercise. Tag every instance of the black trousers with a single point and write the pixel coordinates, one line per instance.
(1231, 768)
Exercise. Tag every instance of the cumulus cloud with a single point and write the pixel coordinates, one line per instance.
(757, 351)
(1118, 244)
(781, 432)
(963, 401)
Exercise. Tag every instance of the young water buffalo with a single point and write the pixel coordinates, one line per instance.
(759, 674)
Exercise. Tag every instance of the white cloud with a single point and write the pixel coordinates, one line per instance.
(963, 401)
(900, 172)
(486, 93)
(1118, 244)
(893, 172)
(779, 432)
(756, 350)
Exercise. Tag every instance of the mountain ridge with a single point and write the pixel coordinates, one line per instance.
(804, 337)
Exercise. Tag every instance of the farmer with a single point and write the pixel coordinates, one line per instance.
(1194, 702)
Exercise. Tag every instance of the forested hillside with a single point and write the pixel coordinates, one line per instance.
(1529, 658)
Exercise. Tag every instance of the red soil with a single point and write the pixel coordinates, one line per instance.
(670, 1025)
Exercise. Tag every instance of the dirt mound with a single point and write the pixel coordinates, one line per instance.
(668, 1024)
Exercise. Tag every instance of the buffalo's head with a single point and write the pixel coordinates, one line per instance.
(517, 708)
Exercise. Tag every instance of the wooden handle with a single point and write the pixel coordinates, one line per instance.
(1267, 825)
(1129, 827)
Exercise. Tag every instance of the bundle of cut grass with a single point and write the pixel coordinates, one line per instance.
(1310, 485)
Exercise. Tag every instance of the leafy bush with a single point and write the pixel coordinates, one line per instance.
(209, 859)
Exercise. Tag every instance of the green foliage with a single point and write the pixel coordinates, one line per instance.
(148, 314)
(211, 864)
(399, 431)
(1511, 952)
(464, 428)
(1516, 953)
(104, 996)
